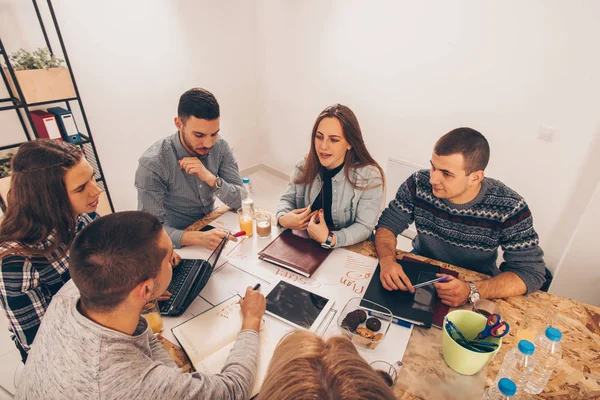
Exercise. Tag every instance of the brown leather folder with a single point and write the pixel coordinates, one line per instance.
(296, 251)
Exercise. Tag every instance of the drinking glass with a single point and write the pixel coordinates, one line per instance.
(152, 315)
(246, 221)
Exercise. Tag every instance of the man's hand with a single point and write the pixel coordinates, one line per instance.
(253, 306)
(193, 166)
(453, 292)
(175, 260)
(317, 228)
(392, 275)
(296, 219)
(211, 239)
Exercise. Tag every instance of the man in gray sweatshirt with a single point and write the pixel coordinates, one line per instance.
(93, 344)
(462, 218)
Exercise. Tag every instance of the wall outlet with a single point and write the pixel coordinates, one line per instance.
(548, 133)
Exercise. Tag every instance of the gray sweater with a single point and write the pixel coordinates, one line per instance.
(72, 357)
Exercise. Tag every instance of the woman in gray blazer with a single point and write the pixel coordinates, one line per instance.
(336, 191)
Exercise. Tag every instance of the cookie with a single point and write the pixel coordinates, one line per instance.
(366, 333)
(350, 323)
(360, 314)
(373, 324)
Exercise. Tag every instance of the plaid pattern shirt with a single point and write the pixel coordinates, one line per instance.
(27, 284)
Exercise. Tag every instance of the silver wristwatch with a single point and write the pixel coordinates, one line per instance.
(474, 293)
(218, 183)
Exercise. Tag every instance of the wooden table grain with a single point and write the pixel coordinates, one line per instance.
(425, 374)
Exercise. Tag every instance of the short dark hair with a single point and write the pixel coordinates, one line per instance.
(473, 146)
(114, 254)
(199, 103)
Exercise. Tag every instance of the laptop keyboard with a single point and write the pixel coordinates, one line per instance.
(180, 273)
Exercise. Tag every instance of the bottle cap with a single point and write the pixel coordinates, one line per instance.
(246, 180)
(526, 347)
(507, 387)
(553, 334)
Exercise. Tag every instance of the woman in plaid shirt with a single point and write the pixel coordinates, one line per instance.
(53, 195)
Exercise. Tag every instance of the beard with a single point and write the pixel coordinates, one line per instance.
(189, 145)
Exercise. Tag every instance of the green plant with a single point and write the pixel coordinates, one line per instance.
(39, 59)
(5, 164)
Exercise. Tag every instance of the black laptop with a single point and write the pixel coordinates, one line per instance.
(189, 278)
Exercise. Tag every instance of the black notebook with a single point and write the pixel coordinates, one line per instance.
(417, 308)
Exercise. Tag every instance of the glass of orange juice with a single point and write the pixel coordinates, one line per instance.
(152, 315)
(534, 323)
(246, 221)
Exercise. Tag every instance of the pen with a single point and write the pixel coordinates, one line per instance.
(440, 279)
(395, 320)
(240, 233)
(256, 287)
(401, 322)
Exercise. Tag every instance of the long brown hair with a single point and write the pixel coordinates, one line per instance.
(306, 367)
(358, 156)
(38, 203)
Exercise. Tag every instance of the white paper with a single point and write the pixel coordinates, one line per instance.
(208, 339)
(211, 331)
(228, 282)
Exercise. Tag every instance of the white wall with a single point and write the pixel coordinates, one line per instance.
(579, 276)
(412, 71)
(133, 59)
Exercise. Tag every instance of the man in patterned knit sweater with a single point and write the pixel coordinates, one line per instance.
(462, 217)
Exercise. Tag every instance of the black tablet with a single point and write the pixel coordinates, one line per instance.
(297, 306)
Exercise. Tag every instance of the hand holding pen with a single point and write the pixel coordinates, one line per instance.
(253, 306)
(453, 292)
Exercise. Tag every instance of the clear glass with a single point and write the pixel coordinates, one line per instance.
(246, 221)
(152, 314)
(389, 372)
(533, 324)
(263, 224)
(383, 314)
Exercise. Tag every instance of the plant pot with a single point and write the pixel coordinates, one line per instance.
(43, 84)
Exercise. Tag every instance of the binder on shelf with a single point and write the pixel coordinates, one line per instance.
(45, 125)
(66, 123)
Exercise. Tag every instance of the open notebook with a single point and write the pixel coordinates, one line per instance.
(208, 338)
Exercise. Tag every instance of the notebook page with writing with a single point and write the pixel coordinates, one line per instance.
(208, 338)
(271, 333)
(210, 331)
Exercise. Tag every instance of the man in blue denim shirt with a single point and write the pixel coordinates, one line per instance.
(178, 177)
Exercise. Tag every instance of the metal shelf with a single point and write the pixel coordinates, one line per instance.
(22, 108)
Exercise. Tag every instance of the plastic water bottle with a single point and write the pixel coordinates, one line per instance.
(504, 390)
(548, 354)
(518, 365)
(247, 202)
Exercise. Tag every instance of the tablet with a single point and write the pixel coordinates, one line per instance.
(297, 306)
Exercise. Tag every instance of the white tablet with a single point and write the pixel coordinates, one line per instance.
(297, 306)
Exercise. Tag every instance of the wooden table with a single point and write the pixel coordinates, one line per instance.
(426, 375)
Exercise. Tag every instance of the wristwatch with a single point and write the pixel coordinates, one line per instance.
(327, 244)
(474, 293)
(218, 183)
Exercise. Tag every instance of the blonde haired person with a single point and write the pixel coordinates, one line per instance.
(304, 366)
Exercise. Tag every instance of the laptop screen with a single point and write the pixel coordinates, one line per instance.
(214, 257)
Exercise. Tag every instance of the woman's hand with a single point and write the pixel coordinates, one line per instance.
(296, 219)
(317, 228)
